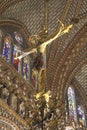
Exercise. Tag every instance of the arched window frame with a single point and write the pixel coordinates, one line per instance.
(15, 61)
(76, 122)
(7, 55)
(72, 104)
(26, 68)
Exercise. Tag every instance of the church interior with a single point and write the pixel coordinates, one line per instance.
(43, 64)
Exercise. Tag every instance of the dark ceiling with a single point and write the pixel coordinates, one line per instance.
(30, 13)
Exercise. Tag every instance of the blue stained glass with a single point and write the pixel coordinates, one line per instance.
(25, 70)
(15, 51)
(81, 115)
(72, 105)
(18, 37)
(6, 49)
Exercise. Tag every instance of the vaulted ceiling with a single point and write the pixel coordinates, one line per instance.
(67, 56)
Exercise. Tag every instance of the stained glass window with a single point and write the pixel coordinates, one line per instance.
(72, 105)
(81, 115)
(25, 68)
(16, 53)
(18, 37)
(7, 49)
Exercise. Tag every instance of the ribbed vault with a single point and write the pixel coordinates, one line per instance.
(81, 77)
(31, 15)
(66, 56)
(10, 26)
(74, 57)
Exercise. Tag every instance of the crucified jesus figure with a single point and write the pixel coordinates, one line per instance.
(62, 30)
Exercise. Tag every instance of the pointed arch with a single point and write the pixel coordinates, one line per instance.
(74, 54)
(15, 26)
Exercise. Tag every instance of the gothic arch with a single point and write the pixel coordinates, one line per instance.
(67, 63)
(15, 25)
